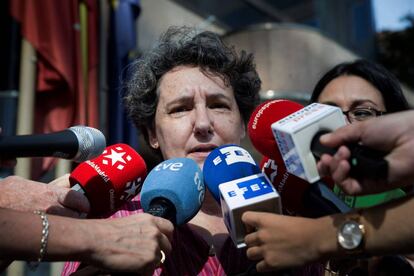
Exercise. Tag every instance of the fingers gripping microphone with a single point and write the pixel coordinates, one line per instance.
(111, 179)
(297, 137)
(235, 180)
(174, 190)
(78, 143)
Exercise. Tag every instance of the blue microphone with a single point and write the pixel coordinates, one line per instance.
(226, 163)
(174, 190)
(237, 183)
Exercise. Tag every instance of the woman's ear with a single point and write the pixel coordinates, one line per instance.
(243, 130)
(152, 138)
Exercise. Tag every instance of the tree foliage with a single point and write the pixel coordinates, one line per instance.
(396, 52)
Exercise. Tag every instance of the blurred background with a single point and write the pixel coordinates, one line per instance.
(62, 62)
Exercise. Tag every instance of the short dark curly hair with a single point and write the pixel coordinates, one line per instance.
(185, 46)
(373, 73)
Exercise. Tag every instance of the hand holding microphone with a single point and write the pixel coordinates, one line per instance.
(294, 128)
(297, 137)
(297, 195)
(392, 133)
(282, 242)
(26, 195)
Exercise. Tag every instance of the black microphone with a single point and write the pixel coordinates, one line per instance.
(77, 143)
(319, 200)
(365, 162)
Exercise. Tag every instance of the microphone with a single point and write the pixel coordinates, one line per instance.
(174, 190)
(297, 137)
(259, 129)
(111, 179)
(77, 143)
(299, 196)
(236, 182)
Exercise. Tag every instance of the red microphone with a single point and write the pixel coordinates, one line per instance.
(299, 197)
(289, 186)
(111, 179)
(259, 126)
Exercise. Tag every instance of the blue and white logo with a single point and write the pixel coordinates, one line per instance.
(255, 187)
(233, 154)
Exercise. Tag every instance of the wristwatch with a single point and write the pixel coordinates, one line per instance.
(351, 235)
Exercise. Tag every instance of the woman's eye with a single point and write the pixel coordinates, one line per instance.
(363, 113)
(219, 105)
(179, 109)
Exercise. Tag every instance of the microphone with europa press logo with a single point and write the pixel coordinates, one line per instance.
(111, 179)
(298, 195)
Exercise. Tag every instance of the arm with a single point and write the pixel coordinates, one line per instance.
(130, 244)
(25, 195)
(282, 241)
(391, 133)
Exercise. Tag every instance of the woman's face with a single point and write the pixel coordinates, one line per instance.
(195, 114)
(350, 92)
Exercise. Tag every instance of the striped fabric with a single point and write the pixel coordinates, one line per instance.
(190, 254)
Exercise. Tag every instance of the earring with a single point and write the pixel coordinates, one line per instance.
(155, 145)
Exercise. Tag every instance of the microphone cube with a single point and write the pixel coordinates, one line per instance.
(295, 132)
(250, 193)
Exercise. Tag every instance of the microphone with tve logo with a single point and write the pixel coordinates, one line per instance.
(78, 143)
(174, 190)
(111, 179)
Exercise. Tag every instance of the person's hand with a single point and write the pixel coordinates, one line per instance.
(62, 181)
(26, 195)
(281, 242)
(129, 244)
(391, 133)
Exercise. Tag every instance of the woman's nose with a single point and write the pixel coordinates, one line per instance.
(203, 123)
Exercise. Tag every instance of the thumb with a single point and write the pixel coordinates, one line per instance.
(74, 200)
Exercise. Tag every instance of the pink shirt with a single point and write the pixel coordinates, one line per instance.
(190, 254)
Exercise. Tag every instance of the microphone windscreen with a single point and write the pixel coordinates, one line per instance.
(259, 126)
(92, 142)
(178, 180)
(227, 163)
(111, 179)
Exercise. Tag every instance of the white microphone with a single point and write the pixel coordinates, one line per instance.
(294, 135)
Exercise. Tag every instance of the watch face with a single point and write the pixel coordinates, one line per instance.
(350, 235)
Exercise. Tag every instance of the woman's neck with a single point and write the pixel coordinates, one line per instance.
(209, 224)
(209, 217)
